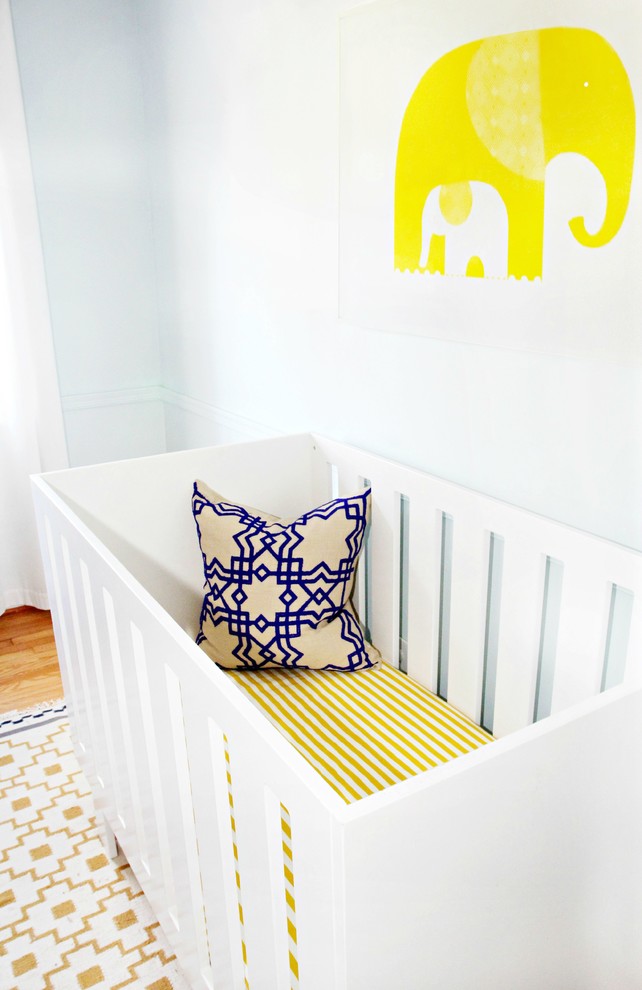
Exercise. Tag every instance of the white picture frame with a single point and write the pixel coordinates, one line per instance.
(587, 300)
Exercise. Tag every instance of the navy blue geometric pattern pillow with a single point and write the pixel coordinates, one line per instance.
(277, 593)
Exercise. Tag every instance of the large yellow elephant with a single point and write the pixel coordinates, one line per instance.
(497, 111)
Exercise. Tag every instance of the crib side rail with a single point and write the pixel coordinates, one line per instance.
(517, 866)
(230, 833)
(508, 615)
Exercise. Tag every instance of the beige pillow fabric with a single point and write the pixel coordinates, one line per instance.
(278, 591)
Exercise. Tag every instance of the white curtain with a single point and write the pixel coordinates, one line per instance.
(31, 428)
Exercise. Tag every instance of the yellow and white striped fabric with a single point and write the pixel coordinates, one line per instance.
(365, 730)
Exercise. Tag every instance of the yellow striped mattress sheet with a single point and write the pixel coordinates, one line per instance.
(362, 731)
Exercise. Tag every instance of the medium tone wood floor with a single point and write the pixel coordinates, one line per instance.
(29, 671)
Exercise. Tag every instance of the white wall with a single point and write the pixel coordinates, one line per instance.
(212, 315)
(80, 71)
(243, 105)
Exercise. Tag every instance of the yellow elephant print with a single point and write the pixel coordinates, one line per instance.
(481, 127)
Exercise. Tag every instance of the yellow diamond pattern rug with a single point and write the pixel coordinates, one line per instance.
(70, 918)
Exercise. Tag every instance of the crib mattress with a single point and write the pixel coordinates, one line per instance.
(362, 731)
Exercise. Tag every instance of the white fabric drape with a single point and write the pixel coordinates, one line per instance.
(31, 429)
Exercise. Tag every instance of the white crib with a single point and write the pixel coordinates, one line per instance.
(514, 867)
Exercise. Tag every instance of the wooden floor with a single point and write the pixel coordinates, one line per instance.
(29, 671)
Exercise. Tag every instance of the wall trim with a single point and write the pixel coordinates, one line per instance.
(214, 414)
(169, 398)
(119, 397)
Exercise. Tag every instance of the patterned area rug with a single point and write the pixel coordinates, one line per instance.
(70, 918)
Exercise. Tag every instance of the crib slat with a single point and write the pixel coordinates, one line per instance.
(257, 833)
(105, 624)
(128, 733)
(633, 669)
(284, 915)
(467, 614)
(519, 634)
(50, 539)
(423, 592)
(78, 643)
(581, 638)
(209, 787)
(161, 888)
(190, 906)
(173, 856)
(317, 898)
(350, 482)
(139, 834)
(106, 796)
(384, 558)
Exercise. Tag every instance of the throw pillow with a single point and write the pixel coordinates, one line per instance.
(277, 592)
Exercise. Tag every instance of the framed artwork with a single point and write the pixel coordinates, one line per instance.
(490, 172)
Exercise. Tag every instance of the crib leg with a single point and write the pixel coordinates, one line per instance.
(107, 836)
